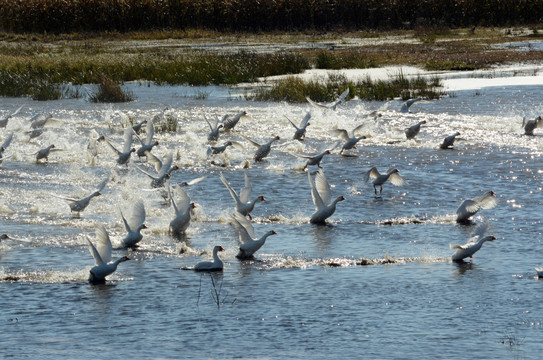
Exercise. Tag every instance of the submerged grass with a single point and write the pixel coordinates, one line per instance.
(294, 89)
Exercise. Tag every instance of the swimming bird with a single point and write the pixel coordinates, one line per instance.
(214, 129)
(249, 243)
(148, 144)
(299, 134)
(473, 244)
(244, 205)
(414, 130)
(333, 104)
(380, 179)
(78, 205)
(5, 145)
(407, 104)
(44, 153)
(229, 123)
(539, 272)
(215, 265)
(449, 141)
(163, 174)
(320, 192)
(4, 237)
(134, 225)
(470, 207)
(4, 121)
(182, 209)
(350, 141)
(102, 257)
(262, 150)
(123, 155)
(530, 125)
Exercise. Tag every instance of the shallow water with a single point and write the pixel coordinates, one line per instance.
(375, 282)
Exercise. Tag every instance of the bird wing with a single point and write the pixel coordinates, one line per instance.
(245, 193)
(486, 201)
(208, 123)
(342, 133)
(317, 200)
(166, 165)
(127, 139)
(174, 204)
(7, 141)
(305, 120)
(146, 173)
(373, 173)
(322, 186)
(293, 124)
(195, 181)
(396, 179)
(149, 132)
(340, 99)
(138, 215)
(232, 191)
(254, 143)
(243, 226)
(113, 147)
(157, 163)
(184, 200)
(103, 244)
(16, 111)
(478, 233)
(95, 254)
(102, 185)
(322, 106)
(64, 197)
(361, 126)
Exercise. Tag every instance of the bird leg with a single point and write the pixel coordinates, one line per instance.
(250, 217)
(375, 189)
(381, 189)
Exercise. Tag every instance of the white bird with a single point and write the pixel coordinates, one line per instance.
(163, 174)
(40, 120)
(78, 205)
(249, 243)
(215, 265)
(244, 205)
(229, 123)
(530, 125)
(407, 105)
(473, 244)
(134, 225)
(5, 145)
(413, 130)
(214, 129)
(449, 141)
(44, 153)
(4, 121)
(123, 155)
(299, 134)
(470, 207)
(262, 150)
(182, 209)
(148, 144)
(332, 105)
(350, 141)
(320, 191)
(380, 179)
(102, 257)
(92, 147)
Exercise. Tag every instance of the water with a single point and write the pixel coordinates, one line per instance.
(376, 282)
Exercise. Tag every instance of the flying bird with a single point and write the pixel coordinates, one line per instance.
(380, 179)
(449, 141)
(320, 192)
(530, 125)
(249, 242)
(414, 130)
(470, 207)
(134, 225)
(299, 134)
(472, 245)
(102, 257)
(244, 205)
(78, 205)
(333, 104)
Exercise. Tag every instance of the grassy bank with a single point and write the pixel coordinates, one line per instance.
(60, 16)
(40, 65)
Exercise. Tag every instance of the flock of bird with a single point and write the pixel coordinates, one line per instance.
(240, 219)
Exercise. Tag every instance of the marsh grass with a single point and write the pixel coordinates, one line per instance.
(293, 89)
(110, 91)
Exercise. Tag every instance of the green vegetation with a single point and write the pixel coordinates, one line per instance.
(110, 91)
(293, 89)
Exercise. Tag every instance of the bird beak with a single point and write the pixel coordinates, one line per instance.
(274, 233)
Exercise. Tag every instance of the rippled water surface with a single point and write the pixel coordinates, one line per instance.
(375, 282)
